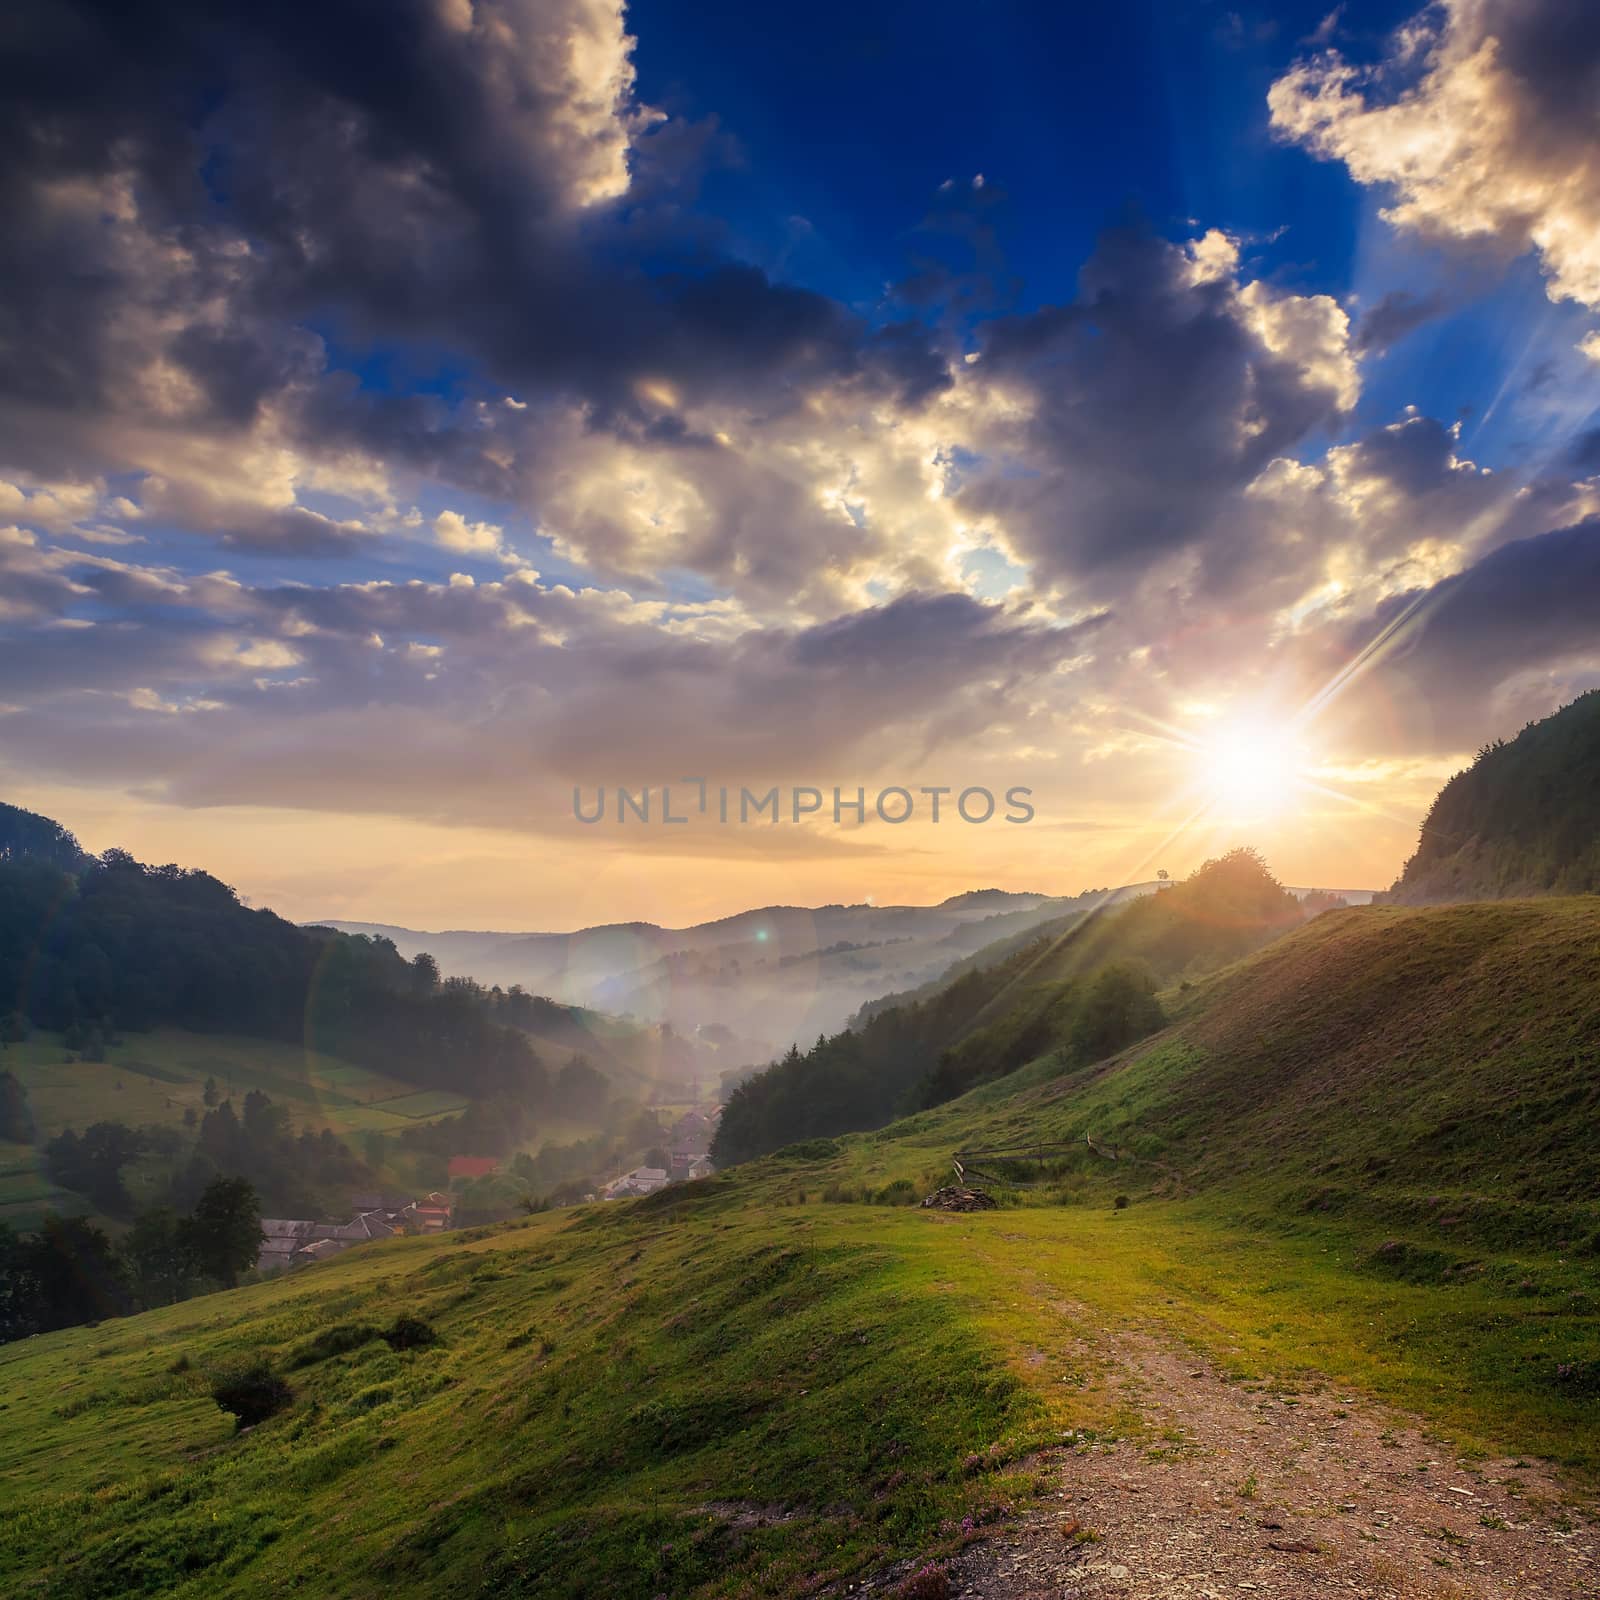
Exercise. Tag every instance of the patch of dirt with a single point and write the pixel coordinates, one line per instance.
(744, 1515)
(1251, 1490)
(953, 1197)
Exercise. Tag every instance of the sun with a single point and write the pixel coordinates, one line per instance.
(1250, 770)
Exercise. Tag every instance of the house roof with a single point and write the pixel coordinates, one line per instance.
(473, 1166)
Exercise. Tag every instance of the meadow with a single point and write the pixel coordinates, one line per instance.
(739, 1387)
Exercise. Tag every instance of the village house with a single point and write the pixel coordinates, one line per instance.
(287, 1242)
(642, 1180)
(432, 1213)
(291, 1242)
(689, 1142)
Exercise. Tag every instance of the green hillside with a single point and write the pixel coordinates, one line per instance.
(1439, 1067)
(1521, 820)
(155, 1077)
(1365, 1152)
(1084, 988)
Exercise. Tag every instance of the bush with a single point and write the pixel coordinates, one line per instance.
(335, 1341)
(930, 1583)
(252, 1394)
(1121, 1202)
(409, 1333)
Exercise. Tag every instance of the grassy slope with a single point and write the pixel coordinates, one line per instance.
(600, 1380)
(608, 1375)
(153, 1078)
(1384, 1062)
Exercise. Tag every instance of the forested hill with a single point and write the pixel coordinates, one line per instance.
(106, 944)
(1083, 992)
(1521, 820)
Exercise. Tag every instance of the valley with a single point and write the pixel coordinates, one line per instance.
(813, 1382)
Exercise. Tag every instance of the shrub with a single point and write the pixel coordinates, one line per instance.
(335, 1341)
(1580, 1379)
(1121, 1202)
(252, 1394)
(929, 1583)
(409, 1333)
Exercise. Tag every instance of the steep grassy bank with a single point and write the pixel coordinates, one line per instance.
(1438, 1068)
(625, 1405)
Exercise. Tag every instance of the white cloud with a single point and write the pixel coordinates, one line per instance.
(454, 532)
(1481, 122)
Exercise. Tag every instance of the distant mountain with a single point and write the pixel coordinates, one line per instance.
(744, 987)
(98, 945)
(767, 976)
(1523, 819)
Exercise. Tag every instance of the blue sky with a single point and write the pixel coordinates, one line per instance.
(834, 141)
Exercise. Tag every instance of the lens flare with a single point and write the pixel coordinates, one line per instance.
(1250, 771)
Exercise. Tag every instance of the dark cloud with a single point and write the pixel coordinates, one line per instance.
(1508, 639)
(186, 186)
(1530, 603)
(1398, 313)
(474, 698)
(1152, 401)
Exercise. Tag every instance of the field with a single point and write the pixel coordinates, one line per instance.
(722, 1395)
(1371, 1197)
(155, 1077)
(26, 1193)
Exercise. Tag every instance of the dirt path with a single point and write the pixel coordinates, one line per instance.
(1245, 1490)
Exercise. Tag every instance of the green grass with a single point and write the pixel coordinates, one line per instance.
(602, 1384)
(26, 1193)
(862, 1376)
(155, 1077)
(1363, 1156)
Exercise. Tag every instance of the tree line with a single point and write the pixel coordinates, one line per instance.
(1075, 996)
(96, 946)
(70, 1271)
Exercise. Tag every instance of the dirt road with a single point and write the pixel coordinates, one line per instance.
(1230, 1490)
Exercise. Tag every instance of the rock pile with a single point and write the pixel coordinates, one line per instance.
(955, 1198)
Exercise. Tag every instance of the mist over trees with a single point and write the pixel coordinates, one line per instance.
(1080, 995)
(71, 1271)
(94, 947)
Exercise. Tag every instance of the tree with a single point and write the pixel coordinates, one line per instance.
(16, 1117)
(424, 972)
(157, 1259)
(78, 1276)
(658, 1158)
(1120, 1008)
(92, 1165)
(19, 1287)
(25, 834)
(210, 1094)
(224, 1236)
(582, 1091)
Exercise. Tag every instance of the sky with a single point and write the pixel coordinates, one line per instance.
(421, 420)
